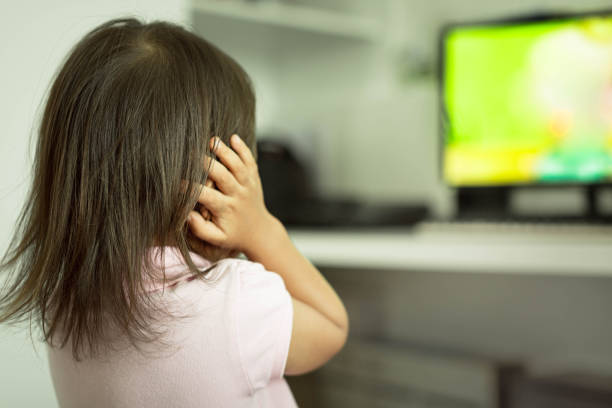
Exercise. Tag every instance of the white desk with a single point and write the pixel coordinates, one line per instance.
(485, 249)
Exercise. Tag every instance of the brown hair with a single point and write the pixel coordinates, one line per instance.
(128, 119)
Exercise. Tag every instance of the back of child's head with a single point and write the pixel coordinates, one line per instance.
(128, 120)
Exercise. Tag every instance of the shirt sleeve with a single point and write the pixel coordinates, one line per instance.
(265, 319)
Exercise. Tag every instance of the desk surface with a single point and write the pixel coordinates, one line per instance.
(560, 250)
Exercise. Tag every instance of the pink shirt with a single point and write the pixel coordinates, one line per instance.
(230, 352)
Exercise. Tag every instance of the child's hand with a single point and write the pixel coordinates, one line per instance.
(239, 218)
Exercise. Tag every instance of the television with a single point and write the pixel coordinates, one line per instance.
(527, 101)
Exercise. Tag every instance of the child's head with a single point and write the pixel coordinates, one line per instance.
(128, 119)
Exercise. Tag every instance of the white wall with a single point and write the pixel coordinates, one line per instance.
(34, 38)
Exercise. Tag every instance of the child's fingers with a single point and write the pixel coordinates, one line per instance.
(185, 184)
(203, 210)
(221, 176)
(205, 230)
(229, 158)
(243, 150)
(212, 199)
(205, 213)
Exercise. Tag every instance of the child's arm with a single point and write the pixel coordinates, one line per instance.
(240, 220)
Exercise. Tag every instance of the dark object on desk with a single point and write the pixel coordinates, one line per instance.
(339, 213)
(292, 198)
(286, 181)
(562, 391)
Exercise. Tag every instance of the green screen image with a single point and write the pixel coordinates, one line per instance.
(528, 103)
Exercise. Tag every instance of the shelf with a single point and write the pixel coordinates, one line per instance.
(572, 254)
(292, 17)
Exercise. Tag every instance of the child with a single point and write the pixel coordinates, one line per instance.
(123, 250)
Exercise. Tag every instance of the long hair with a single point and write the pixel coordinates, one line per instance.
(128, 120)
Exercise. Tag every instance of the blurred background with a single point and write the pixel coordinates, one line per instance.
(463, 291)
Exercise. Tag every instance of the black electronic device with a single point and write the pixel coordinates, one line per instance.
(292, 197)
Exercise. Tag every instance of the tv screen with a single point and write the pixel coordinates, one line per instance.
(528, 102)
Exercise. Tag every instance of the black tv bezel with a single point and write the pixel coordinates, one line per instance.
(533, 18)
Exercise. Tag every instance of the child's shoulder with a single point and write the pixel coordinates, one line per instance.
(248, 273)
(241, 266)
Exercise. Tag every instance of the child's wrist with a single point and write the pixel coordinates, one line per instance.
(270, 234)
